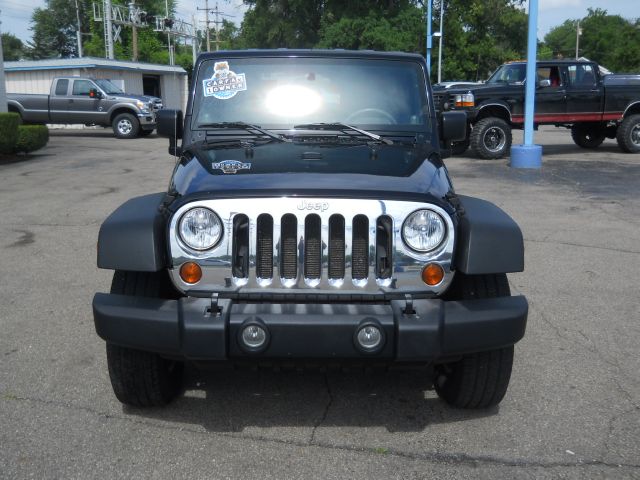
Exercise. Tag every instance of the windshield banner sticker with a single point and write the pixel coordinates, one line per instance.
(224, 84)
(230, 166)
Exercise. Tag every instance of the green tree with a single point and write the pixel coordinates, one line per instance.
(479, 34)
(12, 47)
(54, 30)
(607, 39)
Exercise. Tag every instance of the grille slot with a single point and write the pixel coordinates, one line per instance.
(240, 247)
(288, 246)
(336, 247)
(360, 249)
(384, 247)
(312, 247)
(264, 246)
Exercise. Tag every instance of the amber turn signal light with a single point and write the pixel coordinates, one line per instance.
(190, 272)
(432, 274)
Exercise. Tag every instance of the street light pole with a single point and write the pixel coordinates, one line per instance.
(440, 42)
(529, 155)
(429, 38)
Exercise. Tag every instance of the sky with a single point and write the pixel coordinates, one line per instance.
(15, 14)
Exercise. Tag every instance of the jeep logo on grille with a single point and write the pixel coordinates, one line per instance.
(319, 206)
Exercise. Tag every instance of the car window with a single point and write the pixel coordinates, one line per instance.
(549, 73)
(509, 73)
(581, 75)
(62, 87)
(82, 87)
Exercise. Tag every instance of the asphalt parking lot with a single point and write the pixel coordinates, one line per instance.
(572, 409)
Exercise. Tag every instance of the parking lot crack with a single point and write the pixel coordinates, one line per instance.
(571, 244)
(452, 458)
(324, 413)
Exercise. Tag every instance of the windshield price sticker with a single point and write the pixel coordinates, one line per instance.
(224, 84)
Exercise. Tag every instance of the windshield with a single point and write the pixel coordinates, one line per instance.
(278, 93)
(108, 87)
(512, 73)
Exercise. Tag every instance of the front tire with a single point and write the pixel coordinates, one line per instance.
(478, 380)
(491, 138)
(142, 379)
(588, 136)
(125, 125)
(628, 135)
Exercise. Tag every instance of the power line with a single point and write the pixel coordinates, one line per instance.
(216, 11)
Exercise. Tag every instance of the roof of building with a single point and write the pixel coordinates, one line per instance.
(90, 62)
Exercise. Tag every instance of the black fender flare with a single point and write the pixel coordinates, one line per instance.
(488, 240)
(133, 236)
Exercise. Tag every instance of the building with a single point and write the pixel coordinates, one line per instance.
(168, 82)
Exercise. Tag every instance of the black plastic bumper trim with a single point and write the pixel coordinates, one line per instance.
(188, 328)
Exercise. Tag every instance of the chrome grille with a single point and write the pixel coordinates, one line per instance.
(321, 244)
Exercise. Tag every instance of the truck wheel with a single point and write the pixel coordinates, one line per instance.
(138, 378)
(478, 380)
(491, 138)
(629, 134)
(126, 125)
(588, 136)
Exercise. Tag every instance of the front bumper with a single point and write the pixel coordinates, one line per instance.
(190, 329)
(147, 120)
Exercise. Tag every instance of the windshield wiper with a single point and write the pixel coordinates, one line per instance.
(244, 126)
(343, 127)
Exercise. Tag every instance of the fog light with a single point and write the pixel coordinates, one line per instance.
(369, 337)
(432, 274)
(254, 337)
(190, 272)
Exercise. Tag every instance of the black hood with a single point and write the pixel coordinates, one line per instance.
(350, 171)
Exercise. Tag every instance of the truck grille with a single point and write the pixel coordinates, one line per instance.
(302, 251)
(319, 244)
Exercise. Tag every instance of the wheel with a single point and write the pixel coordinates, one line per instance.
(126, 125)
(458, 148)
(369, 113)
(628, 135)
(491, 138)
(587, 135)
(477, 380)
(138, 378)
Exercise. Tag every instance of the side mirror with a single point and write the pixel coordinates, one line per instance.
(170, 126)
(453, 127)
(544, 83)
(95, 93)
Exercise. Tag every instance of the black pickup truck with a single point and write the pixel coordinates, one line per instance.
(310, 219)
(569, 93)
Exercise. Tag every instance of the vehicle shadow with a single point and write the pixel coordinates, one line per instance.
(230, 401)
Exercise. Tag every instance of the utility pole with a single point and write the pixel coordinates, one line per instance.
(206, 22)
(134, 15)
(578, 33)
(108, 30)
(217, 22)
(79, 32)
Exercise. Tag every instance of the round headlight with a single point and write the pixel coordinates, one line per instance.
(200, 228)
(423, 230)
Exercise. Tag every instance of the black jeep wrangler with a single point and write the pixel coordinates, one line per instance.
(310, 219)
